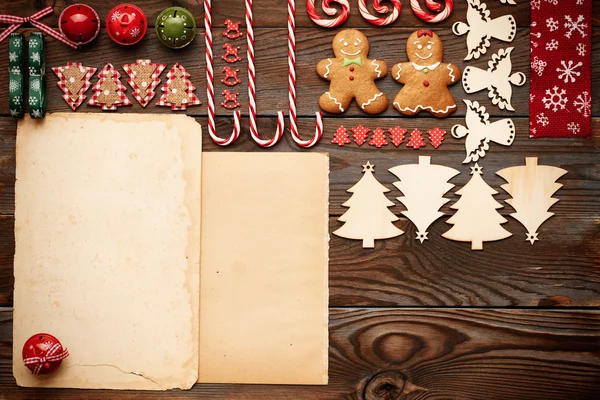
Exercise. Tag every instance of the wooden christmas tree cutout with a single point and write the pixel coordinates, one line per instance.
(476, 219)
(423, 186)
(74, 81)
(497, 79)
(143, 79)
(368, 217)
(480, 131)
(480, 28)
(178, 91)
(109, 92)
(531, 187)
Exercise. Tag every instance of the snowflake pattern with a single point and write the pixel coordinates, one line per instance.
(33, 42)
(579, 2)
(541, 119)
(35, 56)
(568, 71)
(32, 71)
(13, 85)
(12, 57)
(552, 24)
(16, 70)
(538, 65)
(553, 2)
(573, 26)
(135, 32)
(574, 128)
(35, 86)
(17, 43)
(581, 49)
(36, 114)
(583, 103)
(115, 16)
(17, 99)
(552, 45)
(556, 99)
(535, 4)
(33, 101)
(14, 113)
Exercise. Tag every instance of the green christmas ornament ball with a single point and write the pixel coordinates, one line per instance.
(175, 27)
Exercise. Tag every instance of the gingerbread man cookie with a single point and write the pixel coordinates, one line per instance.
(425, 77)
(352, 75)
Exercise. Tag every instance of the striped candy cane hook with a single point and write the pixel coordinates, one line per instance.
(292, 84)
(210, 87)
(362, 7)
(328, 23)
(433, 6)
(252, 87)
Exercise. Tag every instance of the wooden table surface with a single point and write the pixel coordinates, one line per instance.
(407, 321)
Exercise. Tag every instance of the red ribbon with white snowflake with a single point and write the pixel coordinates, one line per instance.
(561, 76)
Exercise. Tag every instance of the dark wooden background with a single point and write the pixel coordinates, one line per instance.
(407, 321)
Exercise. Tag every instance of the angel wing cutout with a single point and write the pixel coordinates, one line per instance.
(480, 28)
(497, 79)
(480, 131)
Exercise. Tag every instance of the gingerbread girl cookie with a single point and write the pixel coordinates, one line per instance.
(425, 77)
(352, 75)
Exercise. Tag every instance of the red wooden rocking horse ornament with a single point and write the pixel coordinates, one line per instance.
(231, 53)
(231, 100)
(233, 29)
(231, 76)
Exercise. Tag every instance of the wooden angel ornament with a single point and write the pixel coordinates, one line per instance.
(497, 79)
(480, 28)
(476, 219)
(368, 217)
(423, 186)
(480, 131)
(531, 187)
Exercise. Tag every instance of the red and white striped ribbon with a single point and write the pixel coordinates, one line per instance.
(210, 84)
(292, 84)
(433, 6)
(17, 21)
(51, 355)
(380, 21)
(252, 87)
(324, 22)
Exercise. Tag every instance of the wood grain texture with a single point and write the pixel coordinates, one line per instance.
(414, 354)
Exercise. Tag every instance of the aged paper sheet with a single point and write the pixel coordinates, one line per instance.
(107, 248)
(264, 296)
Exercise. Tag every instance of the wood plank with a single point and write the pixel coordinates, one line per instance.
(414, 354)
(264, 15)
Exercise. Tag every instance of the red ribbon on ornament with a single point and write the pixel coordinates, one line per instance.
(17, 21)
(51, 355)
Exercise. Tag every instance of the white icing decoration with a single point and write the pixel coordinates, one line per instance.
(335, 101)
(371, 100)
(429, 67)
(451, 74)
(327, 68)
(420, 107)
(374, 62)
(399, 70)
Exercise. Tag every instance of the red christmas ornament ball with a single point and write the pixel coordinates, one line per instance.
(79, 23)
(39, 346)
(126, 24)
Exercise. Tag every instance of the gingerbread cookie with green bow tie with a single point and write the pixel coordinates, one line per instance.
(425, 77)
(352, 75)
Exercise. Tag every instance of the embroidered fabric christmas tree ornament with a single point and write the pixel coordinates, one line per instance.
(436, 137)
(368, 217)
(37, 76)
(560, 91)
(178, 91)
(360, 134)
(531, 188)
(480, 132)
(109, 92)
(341, 137)
(397, 135)
(144, 78)
(416, 140)
(74, 80)
(378, 138)
(16, 81)
(423, 186)
(476, 219)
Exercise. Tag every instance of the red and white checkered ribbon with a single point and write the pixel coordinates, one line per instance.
(252, 87)
(17, 21)
(292, 84)
(52, 355)
(210, 84)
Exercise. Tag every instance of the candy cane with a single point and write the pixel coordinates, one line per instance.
(252, 87)
(433, 6)
(328, 23)
(210, 88)
(292, 84)
(362, 7)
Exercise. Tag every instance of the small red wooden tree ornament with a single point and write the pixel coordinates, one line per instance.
(436, 137)
(378, 138)
(397, 135)
(416, 140)
(341, 137)
(360, 134)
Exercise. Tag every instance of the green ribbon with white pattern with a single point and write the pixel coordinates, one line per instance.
(37, 79)
(16, 65)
